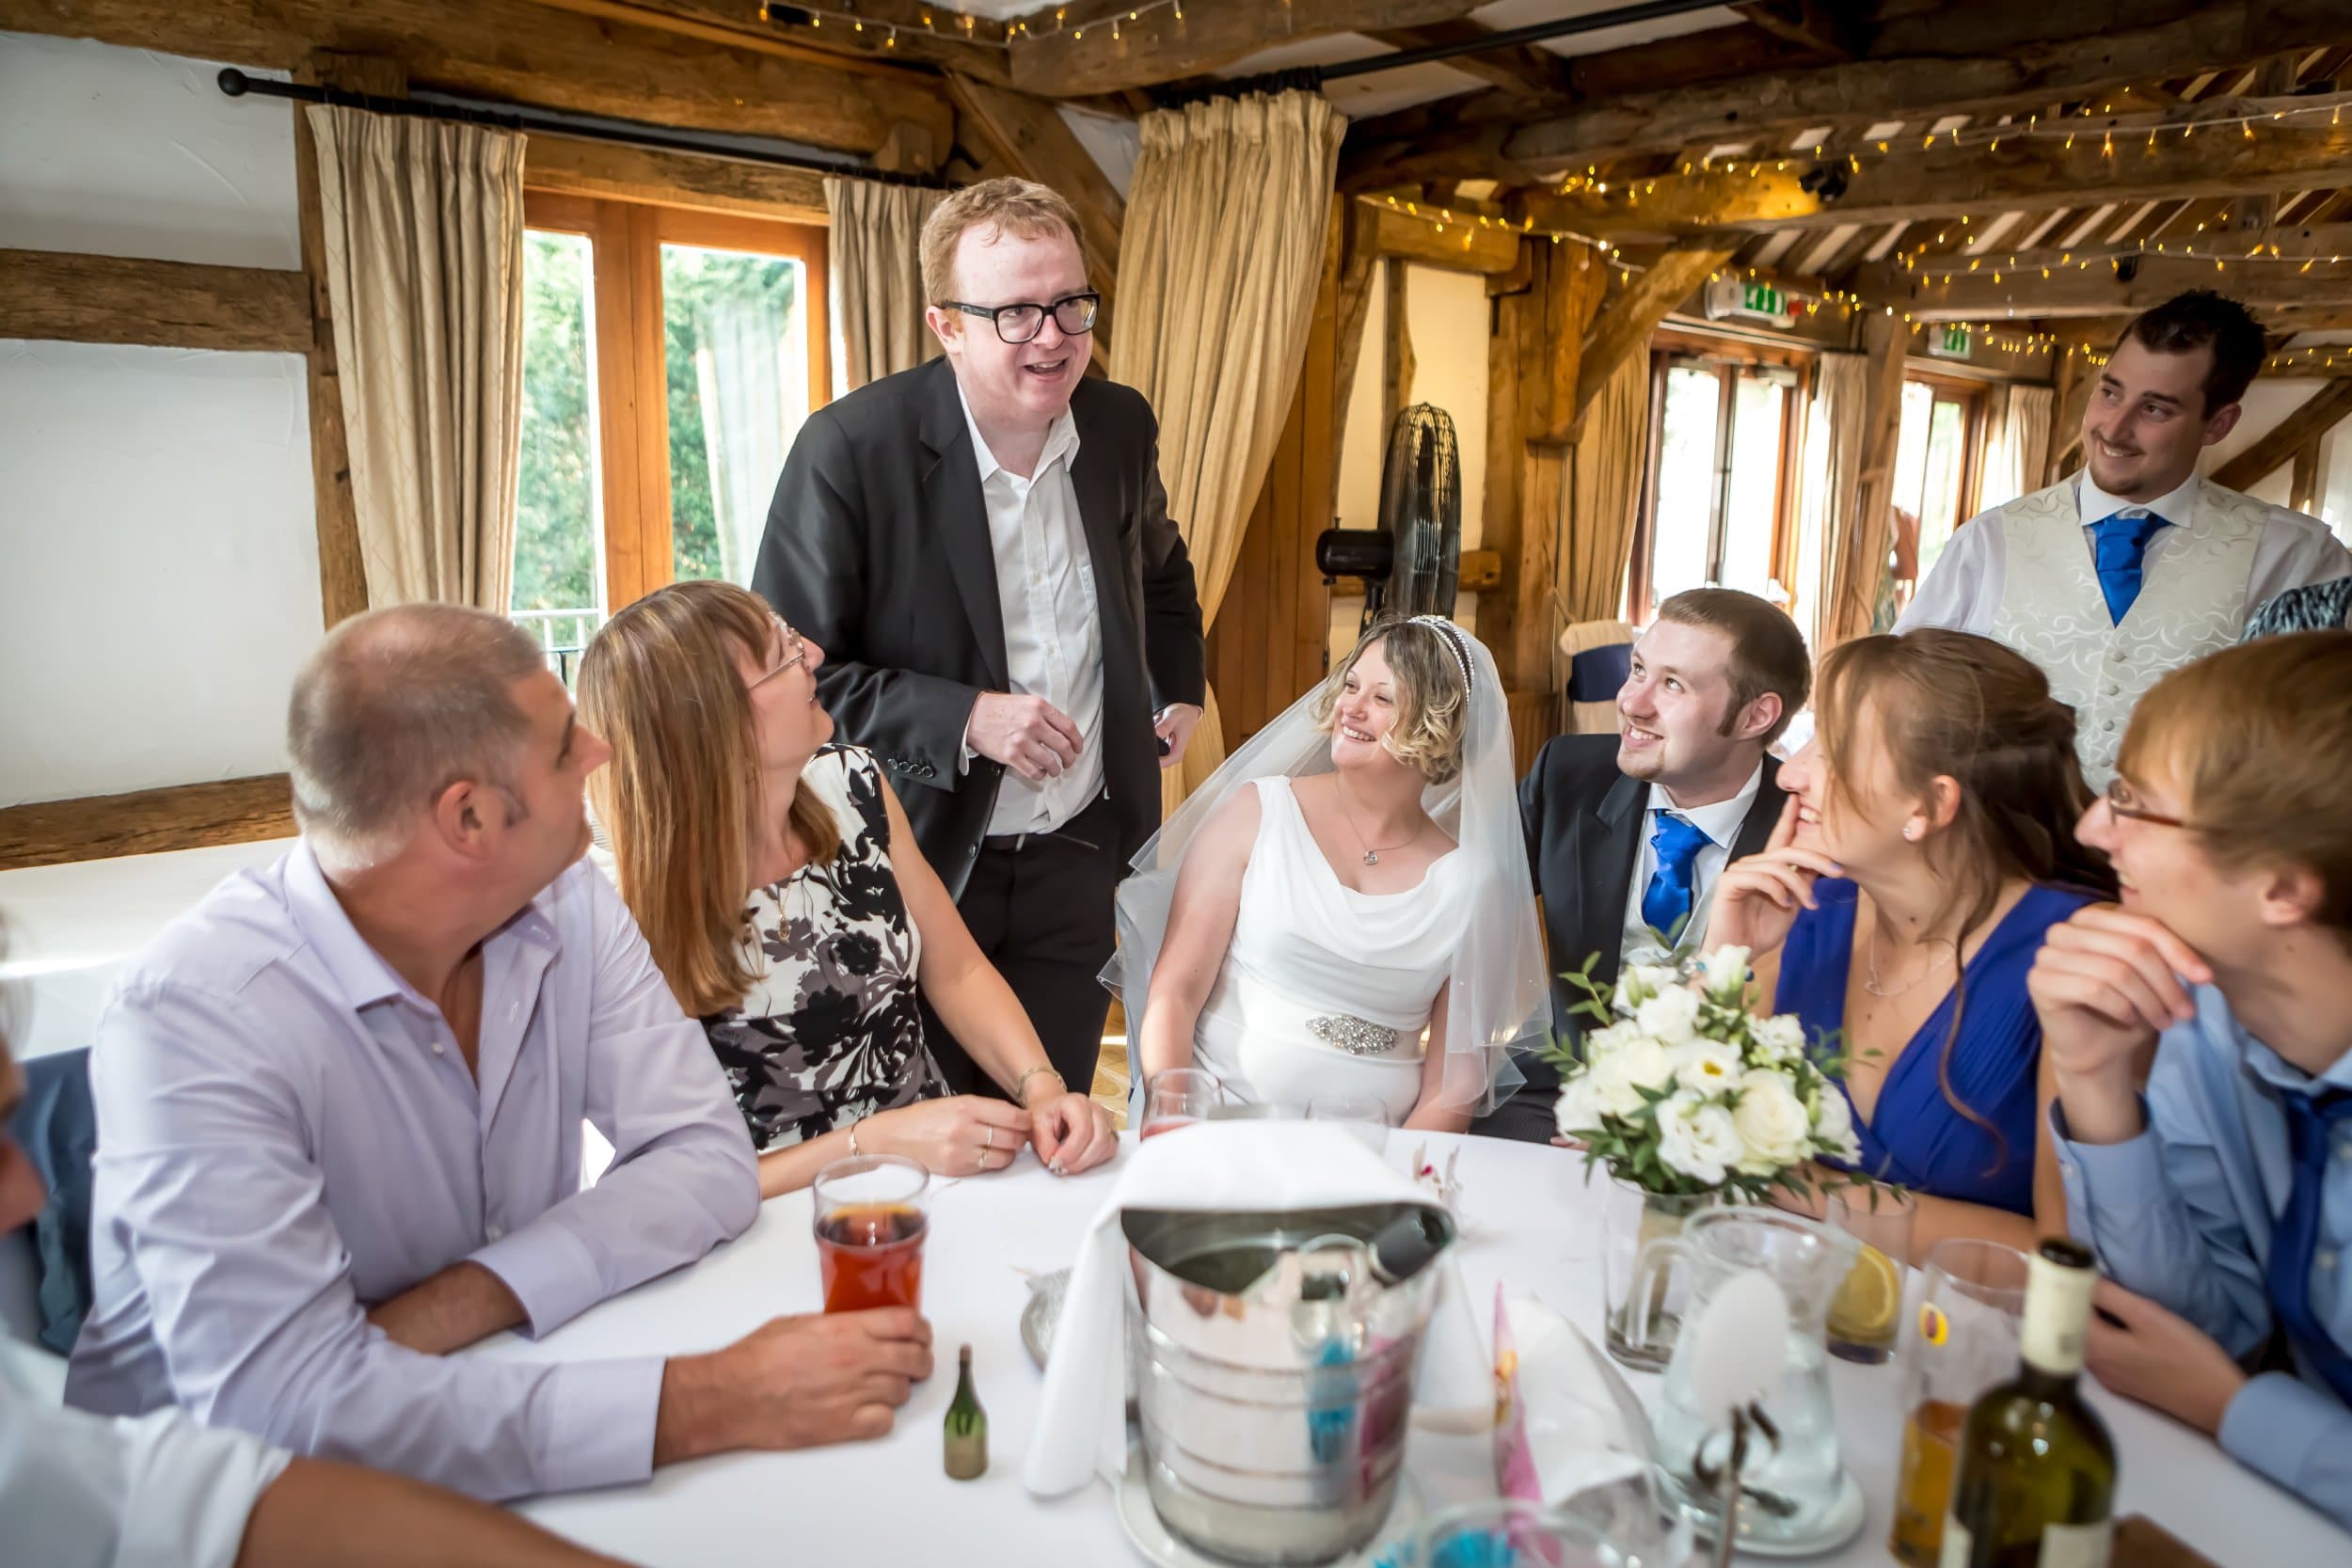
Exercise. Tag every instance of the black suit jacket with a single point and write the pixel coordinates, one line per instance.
(1584, 823)
(878, 548)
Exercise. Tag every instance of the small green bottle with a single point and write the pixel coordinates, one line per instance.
(967, 1426)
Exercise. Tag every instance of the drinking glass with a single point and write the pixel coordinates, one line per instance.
(870, 1223)
(1178, 1097)
(1868, 1309)
(1958, 1339)
(1360, 1114)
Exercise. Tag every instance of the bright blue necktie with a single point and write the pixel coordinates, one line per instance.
(2121, 542)
(2311, 1126)
(1666, 903)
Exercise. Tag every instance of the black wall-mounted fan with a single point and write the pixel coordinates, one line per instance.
(1411, 564)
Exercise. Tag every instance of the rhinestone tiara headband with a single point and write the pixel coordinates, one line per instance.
(1453, 640)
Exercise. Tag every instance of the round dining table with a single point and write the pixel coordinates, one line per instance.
(1530, 1218)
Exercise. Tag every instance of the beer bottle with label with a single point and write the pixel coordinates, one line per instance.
(2033, 1484)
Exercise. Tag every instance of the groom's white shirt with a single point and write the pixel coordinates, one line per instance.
(1721, 823)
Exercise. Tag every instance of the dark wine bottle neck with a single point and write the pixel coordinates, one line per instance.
(2043, 1384)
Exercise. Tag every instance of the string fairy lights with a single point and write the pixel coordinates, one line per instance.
(2087, 122)
(950, 25)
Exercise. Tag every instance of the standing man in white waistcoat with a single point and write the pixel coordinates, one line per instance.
(2134, 565)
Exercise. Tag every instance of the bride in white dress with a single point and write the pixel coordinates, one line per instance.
(1344, 907)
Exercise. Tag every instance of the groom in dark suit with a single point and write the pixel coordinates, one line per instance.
(982, 548)
(1627, 834)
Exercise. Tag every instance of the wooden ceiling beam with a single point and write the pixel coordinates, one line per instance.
(1456, 246)
(2317, 415)
(895, 32)
(1982, 59)
(1835, 32)
(1946, 182)
(1160, 46)
(117, 299)
(528, 53)
(1517, 68)
(2101, 292)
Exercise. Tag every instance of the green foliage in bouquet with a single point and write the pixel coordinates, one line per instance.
(1681, 1090)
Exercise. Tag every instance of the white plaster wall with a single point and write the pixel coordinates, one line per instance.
(126, 153)
(159, 576)
(2267, 401)
(158, 555)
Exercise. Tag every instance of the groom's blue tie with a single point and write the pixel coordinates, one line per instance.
(2121, 542)
(1666, 904)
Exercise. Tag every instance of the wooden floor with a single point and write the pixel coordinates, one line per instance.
(1110, 1068)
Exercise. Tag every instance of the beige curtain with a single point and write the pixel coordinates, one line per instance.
(1832, 484)
(874, 282)
(1219, 260)
(2024, 444)
(1604, 495)
(425, 266)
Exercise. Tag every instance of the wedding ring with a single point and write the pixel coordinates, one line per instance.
(988, 1138)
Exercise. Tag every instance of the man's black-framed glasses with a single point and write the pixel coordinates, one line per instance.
(1020, 322)
(2123, 802)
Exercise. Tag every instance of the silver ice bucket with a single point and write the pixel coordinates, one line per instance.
(1272, 1357)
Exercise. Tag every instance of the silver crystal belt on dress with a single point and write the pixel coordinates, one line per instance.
(1357, 1037)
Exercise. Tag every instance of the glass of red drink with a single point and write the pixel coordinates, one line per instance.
(870, 1223)
(1178, 1097)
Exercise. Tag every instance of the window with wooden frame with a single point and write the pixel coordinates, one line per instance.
(669, 358)
(1938, 466)
(1720, 499)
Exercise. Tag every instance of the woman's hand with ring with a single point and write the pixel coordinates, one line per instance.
(954, 1137)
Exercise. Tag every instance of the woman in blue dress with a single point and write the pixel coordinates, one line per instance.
(1927, 846)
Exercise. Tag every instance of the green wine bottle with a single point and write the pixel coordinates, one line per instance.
(2033, 1484)
(967, 1426)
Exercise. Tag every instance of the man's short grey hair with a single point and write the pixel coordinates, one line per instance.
(393, 708)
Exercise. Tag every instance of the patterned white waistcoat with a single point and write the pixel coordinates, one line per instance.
(2192, 600)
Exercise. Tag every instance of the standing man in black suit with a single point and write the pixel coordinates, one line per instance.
(982, 548)
(1627, 834)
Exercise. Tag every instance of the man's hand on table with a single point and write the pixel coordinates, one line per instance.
(2160, 1358)
(794, 1383)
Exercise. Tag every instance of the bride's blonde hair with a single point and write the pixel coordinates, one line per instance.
(1432, 695)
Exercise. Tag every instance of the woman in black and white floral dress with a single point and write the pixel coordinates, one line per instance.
(786, 903)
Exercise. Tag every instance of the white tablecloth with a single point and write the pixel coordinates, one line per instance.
(1529, 1219)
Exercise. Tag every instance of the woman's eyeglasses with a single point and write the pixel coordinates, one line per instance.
(795, 652)
(1020, 322)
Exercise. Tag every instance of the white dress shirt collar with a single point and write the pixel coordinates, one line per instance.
(1061, 441)
(1721, 821)
(2176, 506)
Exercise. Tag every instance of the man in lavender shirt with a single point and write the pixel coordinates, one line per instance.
(340, 1108)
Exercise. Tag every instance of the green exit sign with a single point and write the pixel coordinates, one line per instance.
(1764, 299)
(1950, 341)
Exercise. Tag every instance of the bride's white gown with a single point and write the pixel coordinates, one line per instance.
(1324, 989)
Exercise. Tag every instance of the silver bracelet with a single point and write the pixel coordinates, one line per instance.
(1021, 1082)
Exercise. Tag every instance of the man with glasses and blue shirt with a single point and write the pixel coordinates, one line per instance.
(2134, 565)
(983, 547)
(2199, 1038)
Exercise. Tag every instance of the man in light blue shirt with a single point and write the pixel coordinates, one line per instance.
(339, 1107)
(159, 1491)
(2220, 1200)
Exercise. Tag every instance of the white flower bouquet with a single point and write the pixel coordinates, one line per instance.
(1684, 1091)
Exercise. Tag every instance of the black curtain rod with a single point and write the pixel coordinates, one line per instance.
(1314, 76)
(236, 84)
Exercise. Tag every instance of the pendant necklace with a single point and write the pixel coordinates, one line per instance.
(1372, 852)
